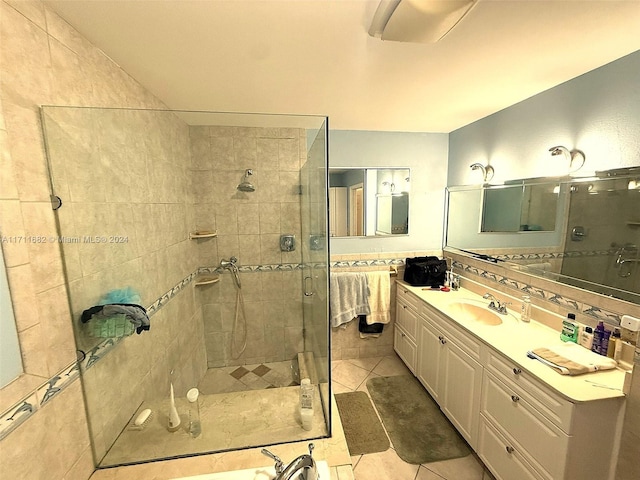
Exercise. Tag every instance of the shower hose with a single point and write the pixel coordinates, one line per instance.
(235, 351)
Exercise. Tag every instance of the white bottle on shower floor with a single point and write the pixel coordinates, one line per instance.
(306, 403)
(174, 418)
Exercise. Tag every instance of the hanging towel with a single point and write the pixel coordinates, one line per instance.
(369, 331)
(116, 320)
(379, 297)
(572, 359)
(348, 297)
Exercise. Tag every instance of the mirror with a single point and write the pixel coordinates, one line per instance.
(11, 365)
(368, 202)
(582, 231)
(519, 208)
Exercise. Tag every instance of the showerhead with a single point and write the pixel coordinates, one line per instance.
(245, 185)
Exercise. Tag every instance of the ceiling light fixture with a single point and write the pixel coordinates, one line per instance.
(417, 21)
(487, 171)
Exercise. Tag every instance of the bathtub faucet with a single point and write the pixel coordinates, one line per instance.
(303, 467)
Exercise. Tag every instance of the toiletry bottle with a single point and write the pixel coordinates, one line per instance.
(613, 340)
(525, 314)
(455, 282)
(306, 403)
(598, 334)
(604, 346)
(195, 427)
(618, 350)
(569, 329)
(174, 418)
(586, 337)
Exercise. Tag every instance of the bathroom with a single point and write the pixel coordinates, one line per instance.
(46, 62)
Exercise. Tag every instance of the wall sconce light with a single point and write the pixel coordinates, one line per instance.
(487, 171)
(576, 158)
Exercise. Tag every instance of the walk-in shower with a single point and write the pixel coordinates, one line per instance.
(151, 206)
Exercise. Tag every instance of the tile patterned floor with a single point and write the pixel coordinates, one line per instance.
(352, 375)
(248, 377)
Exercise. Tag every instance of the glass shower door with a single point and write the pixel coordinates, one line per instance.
(315, 256)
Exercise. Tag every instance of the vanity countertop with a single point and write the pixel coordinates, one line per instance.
(514, 338)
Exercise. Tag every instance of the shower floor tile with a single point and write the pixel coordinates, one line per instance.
(261, 370)
(248, 377)
(239, 372)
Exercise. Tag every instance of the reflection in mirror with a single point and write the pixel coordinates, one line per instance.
(368, 201)
(587, 237)
(11, 364)
(520, 208)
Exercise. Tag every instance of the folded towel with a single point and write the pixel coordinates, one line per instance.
(572, 359)
(379, 297)
(348, 297)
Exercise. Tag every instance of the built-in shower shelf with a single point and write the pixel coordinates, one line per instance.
(202, 234)
(207, 280)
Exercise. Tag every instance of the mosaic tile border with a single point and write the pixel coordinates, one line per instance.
(386, 262)
(555, 255)
(25, 408)
(597, 313)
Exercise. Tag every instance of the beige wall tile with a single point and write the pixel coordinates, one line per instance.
(23, 296)
(8, 188)
(15, 244)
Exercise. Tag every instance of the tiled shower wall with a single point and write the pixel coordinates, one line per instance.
(249, 226)
(136, 197)
(43, 61)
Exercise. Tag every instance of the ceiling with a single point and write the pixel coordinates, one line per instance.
(316, 57)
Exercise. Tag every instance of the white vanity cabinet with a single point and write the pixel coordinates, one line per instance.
(521, 425)
(527, 427)
(449, 368)
(406, 327)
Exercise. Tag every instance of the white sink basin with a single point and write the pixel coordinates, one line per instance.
(263, 473)
(476, 313)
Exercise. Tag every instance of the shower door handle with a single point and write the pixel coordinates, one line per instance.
(307, 292)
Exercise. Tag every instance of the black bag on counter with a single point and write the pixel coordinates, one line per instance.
(425, 271)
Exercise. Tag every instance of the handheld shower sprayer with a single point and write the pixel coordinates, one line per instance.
(240, 314)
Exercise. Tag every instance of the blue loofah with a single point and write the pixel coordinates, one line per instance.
(121, 295)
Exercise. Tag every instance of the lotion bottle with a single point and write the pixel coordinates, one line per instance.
(586, 337)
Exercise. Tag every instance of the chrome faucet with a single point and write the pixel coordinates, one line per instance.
(496, 305)
(303, 467)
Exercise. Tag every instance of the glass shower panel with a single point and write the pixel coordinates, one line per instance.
(152, 216)
(314, 210)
